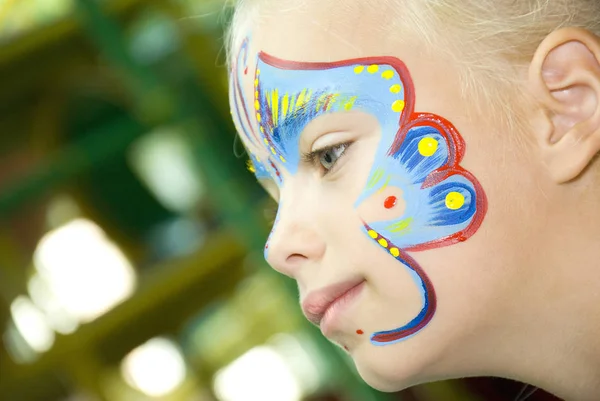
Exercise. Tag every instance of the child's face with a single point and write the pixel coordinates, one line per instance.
(387, 187)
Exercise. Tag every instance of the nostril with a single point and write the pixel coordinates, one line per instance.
(295, 259)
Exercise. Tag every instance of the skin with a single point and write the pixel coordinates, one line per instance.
(519, 298)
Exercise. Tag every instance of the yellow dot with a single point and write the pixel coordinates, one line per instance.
(383, 243)
(256, 94)
(262, 130)
(398, 106)
(395, 88)
(373, 68)
(389, 74)
(455, 200)
(257, 72)
(428, 146)
(266, 142)
(256, 82)
(258, 117)
(282, 159)
(373, 234)
(359, 69)
(257, 105)
(273, 150)
(395, 252)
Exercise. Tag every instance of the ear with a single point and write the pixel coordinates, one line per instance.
(565, 79)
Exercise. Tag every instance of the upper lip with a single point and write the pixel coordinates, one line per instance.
(317, 302)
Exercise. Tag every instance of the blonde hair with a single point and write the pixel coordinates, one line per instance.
(491, 41)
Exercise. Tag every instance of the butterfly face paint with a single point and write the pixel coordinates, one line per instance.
(417, 159)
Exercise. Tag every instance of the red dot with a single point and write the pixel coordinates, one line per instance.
(390, 202)
(346, 348)
(360, 332)
(246, 71)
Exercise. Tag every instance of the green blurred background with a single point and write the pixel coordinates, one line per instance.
(131, 238)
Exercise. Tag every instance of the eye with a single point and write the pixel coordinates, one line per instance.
(326, 158)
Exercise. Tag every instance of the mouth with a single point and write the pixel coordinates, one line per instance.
(322, 307)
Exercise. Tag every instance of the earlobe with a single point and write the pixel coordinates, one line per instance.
(564, 77)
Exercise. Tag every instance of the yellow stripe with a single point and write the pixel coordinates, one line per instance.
(402, 225)
(384, 186)
(375, 178)
(285, 103)
(275, 106)
(300, 101)
(321, 101)
(350, 103)
(334, 98)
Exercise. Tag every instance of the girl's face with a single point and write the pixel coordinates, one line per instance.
(396, 205)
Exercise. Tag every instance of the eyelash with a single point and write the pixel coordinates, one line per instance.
(313, 157)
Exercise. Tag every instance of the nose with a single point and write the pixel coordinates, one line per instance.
(294, 240)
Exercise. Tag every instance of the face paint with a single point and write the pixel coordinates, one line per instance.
(390, 202)
(262, 169)
(419, 154)
(239, 110)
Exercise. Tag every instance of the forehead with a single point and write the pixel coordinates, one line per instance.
(324, 30)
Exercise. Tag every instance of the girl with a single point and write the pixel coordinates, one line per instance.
(438, 186)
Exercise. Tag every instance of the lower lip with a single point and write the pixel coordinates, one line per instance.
(335, 311)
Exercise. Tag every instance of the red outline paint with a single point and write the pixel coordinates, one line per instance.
(238, 93)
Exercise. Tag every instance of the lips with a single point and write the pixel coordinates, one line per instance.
(319, 304)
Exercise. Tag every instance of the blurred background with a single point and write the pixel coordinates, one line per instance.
(131, 237)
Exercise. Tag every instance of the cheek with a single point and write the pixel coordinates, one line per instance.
(394, 297)
(386, 204)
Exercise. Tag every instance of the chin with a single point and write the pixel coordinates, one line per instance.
(395, 368)
(385, 385)
(388, 381)
(387, 374)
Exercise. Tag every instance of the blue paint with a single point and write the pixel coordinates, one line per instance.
(366, 92)
(261, 172)
(416, 166)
